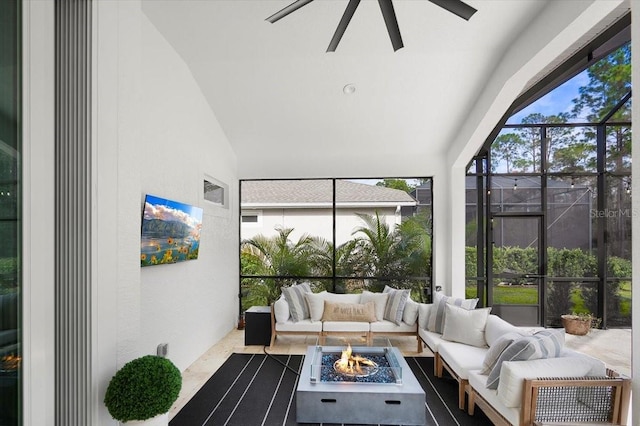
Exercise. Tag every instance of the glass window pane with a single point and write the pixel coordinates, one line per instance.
(10, 234)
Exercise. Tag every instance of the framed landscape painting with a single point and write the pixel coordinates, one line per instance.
(170, 231)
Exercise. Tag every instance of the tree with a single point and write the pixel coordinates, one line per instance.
(400, 184)
(394, 255)
(609, 82)
(528, 158)
(277, 256)
(507, 148)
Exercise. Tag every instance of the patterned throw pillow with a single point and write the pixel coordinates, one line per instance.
(394, 309)
(294, 296)
(543, 344)
(335, 311)
(496, 350)
(436, 318)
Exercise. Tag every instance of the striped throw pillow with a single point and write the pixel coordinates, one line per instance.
(437, 315)
(396, 302)
(543, 344)
(294, 296)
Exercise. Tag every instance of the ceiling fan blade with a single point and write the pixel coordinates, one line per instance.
(342, 26)
(391, 21)
(287, 10)
(456, 7)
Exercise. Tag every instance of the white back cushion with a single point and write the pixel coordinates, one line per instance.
(281, 310)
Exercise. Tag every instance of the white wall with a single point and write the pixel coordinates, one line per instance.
(154, 133)
(314, 222)
(191, 304)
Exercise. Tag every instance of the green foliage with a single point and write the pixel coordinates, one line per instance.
(143, 388)
(515, 295)
(561, 296)
(279, 256)
(8, 265)
(8, 275)
(376, 251)
(400, 184)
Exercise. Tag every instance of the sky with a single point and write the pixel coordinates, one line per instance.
(556, 101)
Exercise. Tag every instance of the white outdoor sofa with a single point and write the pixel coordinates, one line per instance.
(317, 323)
(560, 385)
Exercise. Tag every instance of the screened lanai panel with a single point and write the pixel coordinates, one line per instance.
(515, 193)
(564, 296)
(618, 303)
(618, 142)
(286, 230)
(571, 150)
(571, 201)
(383, 233)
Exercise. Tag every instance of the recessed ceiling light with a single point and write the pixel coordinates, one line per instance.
(349, 89)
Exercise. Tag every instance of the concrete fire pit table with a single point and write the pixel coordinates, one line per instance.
(391, 395)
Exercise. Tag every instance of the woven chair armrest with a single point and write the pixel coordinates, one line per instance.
(551, 399)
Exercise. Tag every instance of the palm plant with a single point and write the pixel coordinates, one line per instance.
(392, 254)
(279, 257)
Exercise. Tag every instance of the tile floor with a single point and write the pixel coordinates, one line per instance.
(612, 346)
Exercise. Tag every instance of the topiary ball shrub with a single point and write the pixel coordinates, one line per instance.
(143, 388)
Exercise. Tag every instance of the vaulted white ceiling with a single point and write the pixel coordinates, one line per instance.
(279, 97)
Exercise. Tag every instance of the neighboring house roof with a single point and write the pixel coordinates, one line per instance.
(319, 193)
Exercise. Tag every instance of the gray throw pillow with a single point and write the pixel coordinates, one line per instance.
(437, 315)
(543, 344)
(395, 304)
(294, 296)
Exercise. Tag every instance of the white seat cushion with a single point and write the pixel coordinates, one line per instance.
(346, 326)
(479, 383)
(431, 338)
(461, 357)
(386, 326)
(304, 325)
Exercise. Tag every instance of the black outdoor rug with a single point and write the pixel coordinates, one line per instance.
(255, 390)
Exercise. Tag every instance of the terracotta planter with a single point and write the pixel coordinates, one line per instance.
(576, 325)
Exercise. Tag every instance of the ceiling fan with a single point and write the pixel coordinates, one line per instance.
(456, 7)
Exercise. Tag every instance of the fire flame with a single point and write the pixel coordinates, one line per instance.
(10, 362)
(352, 364)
